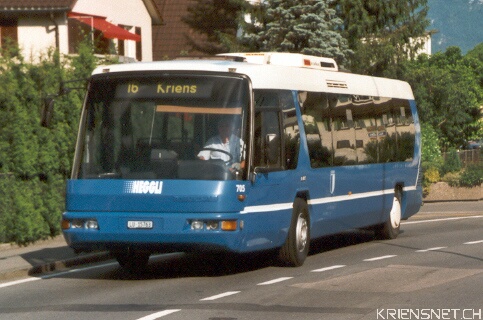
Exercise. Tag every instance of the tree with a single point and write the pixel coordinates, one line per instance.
(431, 152)
(307, 26)
(382, 34)
(449, 95)
(474, 58)
(216, 24)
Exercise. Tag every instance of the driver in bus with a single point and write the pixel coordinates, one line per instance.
(225, 146)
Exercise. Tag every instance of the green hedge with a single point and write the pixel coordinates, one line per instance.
(35, 161)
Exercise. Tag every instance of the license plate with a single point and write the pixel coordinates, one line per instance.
(140, 224)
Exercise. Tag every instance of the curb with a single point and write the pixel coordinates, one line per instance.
(451, 200)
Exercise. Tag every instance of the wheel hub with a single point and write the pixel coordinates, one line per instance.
(301, 233)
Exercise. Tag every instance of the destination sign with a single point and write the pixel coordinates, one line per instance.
(175, 88)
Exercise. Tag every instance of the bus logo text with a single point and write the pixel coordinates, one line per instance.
(144, 187)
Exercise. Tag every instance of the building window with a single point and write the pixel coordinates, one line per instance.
(8, 33)
(139, 47)
(121, 47)
(78, 32)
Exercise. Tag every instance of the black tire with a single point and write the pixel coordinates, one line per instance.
(132, 261)
(296, 248)
(390, 228)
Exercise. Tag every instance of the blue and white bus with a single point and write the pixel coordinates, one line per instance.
(240, 153)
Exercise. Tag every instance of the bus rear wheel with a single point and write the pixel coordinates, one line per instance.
(390, 228)
(296, 247)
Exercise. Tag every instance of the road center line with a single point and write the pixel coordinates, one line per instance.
(431, 249)
(221, 295)
(439, 220)
(274, 281)
(474, 242)
(160, 314)
(381, 258)
(328, 268)
(14, 283)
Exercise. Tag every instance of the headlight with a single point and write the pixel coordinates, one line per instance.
(77, 224)
(91, 224)
(211, 225)
(197, 225)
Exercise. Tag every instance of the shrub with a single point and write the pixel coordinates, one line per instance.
(431, 175)
(452, 162)
(472, 176)
(452, 178)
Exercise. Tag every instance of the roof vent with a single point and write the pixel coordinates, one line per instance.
(337, 84)
(287, 59)
(217, 57)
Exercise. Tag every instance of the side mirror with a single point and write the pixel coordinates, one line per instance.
(263, 171)
(47, 112)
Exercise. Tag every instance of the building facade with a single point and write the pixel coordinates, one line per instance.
(123, 27)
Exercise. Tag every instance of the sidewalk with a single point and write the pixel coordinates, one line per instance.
(41, 257)
(54, 254)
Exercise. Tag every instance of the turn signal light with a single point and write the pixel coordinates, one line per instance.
(228, 225)
(65, 224)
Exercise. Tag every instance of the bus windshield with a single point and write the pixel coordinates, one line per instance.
(169, 126)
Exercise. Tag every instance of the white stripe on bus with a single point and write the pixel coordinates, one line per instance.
(288, 206)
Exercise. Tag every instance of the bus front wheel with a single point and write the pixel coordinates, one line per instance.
(296, 247)
(390, 228)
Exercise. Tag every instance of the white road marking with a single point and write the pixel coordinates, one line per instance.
(439, 220)
(474, 242)
(328, 268)
(160, 314)
(431, 249)
(381, 258)
(221, 295)
(14, 283)
(274, 281)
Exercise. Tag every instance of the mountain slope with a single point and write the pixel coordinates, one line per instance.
(459, 22)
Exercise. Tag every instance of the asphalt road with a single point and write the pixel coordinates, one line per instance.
(433, 270)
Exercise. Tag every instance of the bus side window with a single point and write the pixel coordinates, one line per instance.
(318, 131)
(406, 133)
(291, 139)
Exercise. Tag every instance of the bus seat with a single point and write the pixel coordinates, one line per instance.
(164, 163)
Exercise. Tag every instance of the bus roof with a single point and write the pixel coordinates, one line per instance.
(271, 76)
(286, 59)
